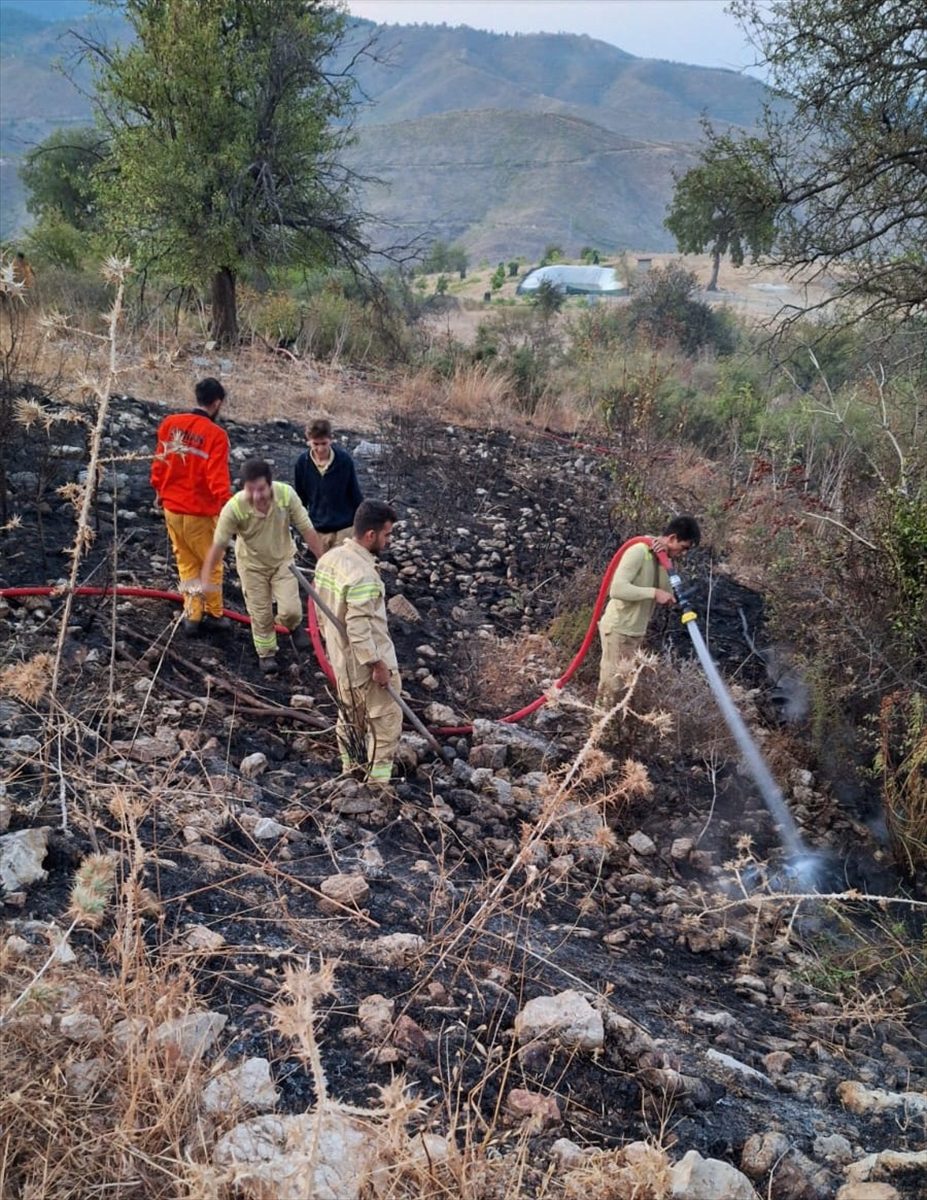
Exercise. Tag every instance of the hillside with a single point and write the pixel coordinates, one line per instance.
(475, 135)
(506, 183)
(421, 70)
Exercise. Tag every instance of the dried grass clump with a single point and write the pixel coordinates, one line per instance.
(27, 681)
(678, 688)
(903, 761)
(505, 673)
(640, 1171)
(118, 1114)
(478, 392)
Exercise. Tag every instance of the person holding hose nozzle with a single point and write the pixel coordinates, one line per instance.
(364, 662)
(259, 518)
(638, 584)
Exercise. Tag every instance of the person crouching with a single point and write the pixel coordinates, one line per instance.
(259, 518)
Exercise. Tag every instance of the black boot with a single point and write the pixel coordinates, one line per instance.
(301, 639)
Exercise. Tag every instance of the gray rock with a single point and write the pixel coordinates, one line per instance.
(735, 1066)
(396, 949)
(491, 755)
(248, 1085)
(253, 765)
(527, 751)
(343, 891)
(21, 747)
(266, 829)
(440, 714)
(376, 1014)
(81, 1027)
(192, 1035)
(858, 1190)
(568, 1017)
(858, 1098)
(833, 1148)
(199, 937)
(641, 844)
(21, 857)
(697, 1178)
(83, 1076)
(327, 1157)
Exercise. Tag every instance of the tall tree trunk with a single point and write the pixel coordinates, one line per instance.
(224, 308)
(715, 268)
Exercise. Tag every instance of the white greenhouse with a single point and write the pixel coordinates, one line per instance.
(575, 280)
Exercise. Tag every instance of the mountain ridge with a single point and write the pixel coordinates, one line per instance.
(425, 90)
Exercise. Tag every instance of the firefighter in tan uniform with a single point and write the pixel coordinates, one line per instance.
(639, 583)
(347, 580)
(259, 518)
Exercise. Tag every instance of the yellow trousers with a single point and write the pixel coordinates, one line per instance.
(191, 538)
(336, 537)
(369, 720)
(262, 587)
(616, 648)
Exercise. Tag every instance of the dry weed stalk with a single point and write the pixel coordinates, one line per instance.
(116, 272)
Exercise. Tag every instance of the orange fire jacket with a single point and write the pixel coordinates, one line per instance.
(190, 471)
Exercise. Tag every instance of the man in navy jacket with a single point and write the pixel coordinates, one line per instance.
(326, 482)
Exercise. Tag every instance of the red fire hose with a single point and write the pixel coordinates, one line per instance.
(14, 593)
(513, 718)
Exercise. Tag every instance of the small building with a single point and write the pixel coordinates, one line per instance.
(574, 280)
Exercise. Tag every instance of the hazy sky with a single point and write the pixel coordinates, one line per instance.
(690, 31)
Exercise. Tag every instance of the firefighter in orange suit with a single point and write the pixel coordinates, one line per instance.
(190, 474)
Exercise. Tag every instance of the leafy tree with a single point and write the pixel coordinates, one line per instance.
(589, 255)
(513, 268)
(498, 277)
(552, 254)
(548, 299)
(846, 159)
(442, 257)
(225, 134)
(724, 206)
(664, 306)
(59, 175)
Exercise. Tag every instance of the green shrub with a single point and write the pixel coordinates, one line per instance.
(664, 308)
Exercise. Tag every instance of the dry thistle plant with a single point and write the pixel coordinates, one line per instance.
(27, 681)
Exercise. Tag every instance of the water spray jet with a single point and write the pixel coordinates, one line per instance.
(801, 861)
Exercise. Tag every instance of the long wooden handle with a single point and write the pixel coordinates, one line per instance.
(310, 591)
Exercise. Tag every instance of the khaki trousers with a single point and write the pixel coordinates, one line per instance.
(370, 720)
(616, 649)
(191, 539)
(335, 538)
(262, 587)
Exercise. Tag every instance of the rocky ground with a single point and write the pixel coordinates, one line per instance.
(567, 945)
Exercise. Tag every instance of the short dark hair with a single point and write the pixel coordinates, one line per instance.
(685, 529)
(321, 427)
(256, 468)
(373, 514)
(208, 391)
